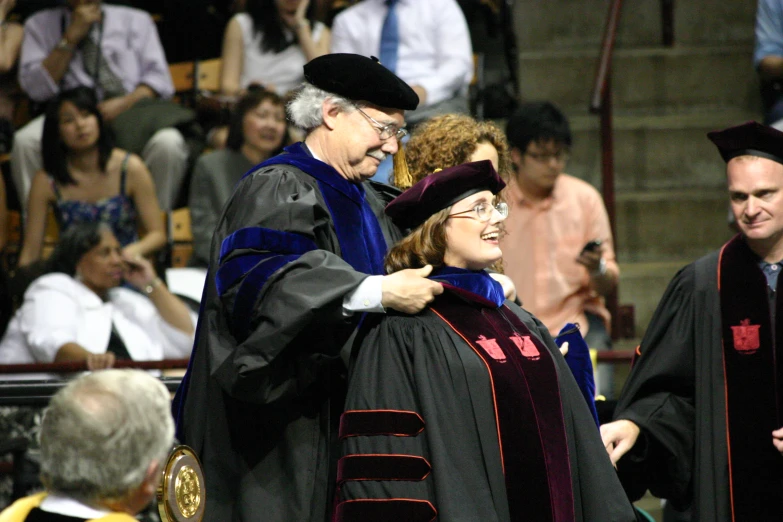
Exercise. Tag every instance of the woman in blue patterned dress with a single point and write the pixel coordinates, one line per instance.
(85, 178)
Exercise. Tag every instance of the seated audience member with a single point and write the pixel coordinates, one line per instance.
(86, 178)
(114, 50)
(768, 58)
(105, 439)
(552, 218)
(10, 42)
(427, 44)
(453, 139)
(466, 410)
(256, 133)
(79, 310)
(269, 44)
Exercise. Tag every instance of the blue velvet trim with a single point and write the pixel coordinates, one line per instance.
(578, 359)
(232, 271)
(475, 282)
(260, 238)
(178, 403)
(361, 240)
(254, 281)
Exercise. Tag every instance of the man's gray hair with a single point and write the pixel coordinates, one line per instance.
(305, 109)
(101, 432)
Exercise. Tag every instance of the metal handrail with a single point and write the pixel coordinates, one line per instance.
(38, 392)
(81, 366)
(601, 103)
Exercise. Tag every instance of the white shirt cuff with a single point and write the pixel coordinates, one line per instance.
(365, 298)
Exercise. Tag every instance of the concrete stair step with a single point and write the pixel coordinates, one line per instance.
(565, 24)
(645, 78)
(643, 285)
(670, 225)
(655, 151)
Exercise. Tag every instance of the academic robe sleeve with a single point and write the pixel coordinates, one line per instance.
(281, 285)
(659, 398)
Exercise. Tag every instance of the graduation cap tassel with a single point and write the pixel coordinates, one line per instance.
(402, 176)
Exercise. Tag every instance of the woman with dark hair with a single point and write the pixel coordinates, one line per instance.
(257, 131)
(269, 44)
(467, 410)
(86, 178)
(79, 311)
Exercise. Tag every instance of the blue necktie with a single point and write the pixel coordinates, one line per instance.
(390, 37)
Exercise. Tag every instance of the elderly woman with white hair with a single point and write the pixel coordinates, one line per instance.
(105, 438)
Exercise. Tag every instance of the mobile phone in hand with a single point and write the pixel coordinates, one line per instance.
(592, 246)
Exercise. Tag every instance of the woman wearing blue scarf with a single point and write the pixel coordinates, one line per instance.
(467, 410)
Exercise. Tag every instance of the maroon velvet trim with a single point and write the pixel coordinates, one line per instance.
(382, 467)
(385, 510)
(394, 423)
(753, 377)
(528, 409)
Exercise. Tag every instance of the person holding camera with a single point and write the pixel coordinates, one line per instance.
(558, 246)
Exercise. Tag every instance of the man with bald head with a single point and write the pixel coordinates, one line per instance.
(297, 258)
(699, 420)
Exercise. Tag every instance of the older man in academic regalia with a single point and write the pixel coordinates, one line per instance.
(297, 258)
(699, 421)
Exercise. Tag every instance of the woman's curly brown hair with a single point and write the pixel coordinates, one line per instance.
(450, 139)
(425, 245)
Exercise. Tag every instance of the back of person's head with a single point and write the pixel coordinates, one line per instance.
(450, 139)
(102, 432)
(269, 24)
(254, 97)
(54, 150)
(77, 240)
(537, 122)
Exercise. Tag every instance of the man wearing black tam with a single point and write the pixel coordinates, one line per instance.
(699, 420)
(296, 259)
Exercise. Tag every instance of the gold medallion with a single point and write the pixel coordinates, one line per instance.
(182, 493)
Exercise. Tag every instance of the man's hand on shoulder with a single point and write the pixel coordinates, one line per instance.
(409, 291)
(618, 438)
(509, 288)
(777, 439)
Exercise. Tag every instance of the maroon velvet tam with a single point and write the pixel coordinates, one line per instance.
(442, 189)
(749, 139)
(358, 78)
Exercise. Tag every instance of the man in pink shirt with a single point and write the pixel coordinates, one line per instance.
(558, 247)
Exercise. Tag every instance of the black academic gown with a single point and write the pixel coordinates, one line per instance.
(266, 386)
(676, 395)
(419, 364)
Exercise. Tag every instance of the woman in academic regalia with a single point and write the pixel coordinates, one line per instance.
(466, 411)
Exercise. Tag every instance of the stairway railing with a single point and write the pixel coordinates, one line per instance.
(601, 104)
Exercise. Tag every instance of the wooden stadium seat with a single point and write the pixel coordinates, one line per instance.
(183, 79)
(180, 237)
(209, 75)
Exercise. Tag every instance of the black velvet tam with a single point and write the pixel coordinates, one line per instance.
(441, 189)
(357, 78)
(749, 139)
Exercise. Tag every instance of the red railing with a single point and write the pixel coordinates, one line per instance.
(601, 104)
(81, 366)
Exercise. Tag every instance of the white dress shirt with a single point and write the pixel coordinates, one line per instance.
(54, 503)
(283, 69)
(59, 309)
(435, 50)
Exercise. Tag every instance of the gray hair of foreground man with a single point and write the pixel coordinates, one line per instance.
(305, 109)
(101, 432)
